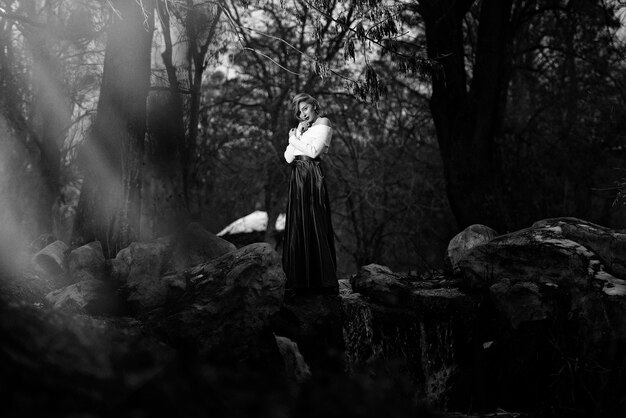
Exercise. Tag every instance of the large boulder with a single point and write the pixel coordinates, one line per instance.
(55, 363)
(140, 266)
(118, 268)
(227, 305)
(147, 285)
(52, 260)
(539, 272)
(86, 262)
(381, 284)
(607, 244)
(418, 334)
(195, 245)
(295, 365)
(554, 317)
(314, 322)
(464, 241)
(93, 297)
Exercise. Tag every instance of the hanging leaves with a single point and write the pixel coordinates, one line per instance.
(360, 31)
(371, 78)
(371, 89)
(386, 28)
(323, 5)
(389, 28)
(373, 86)
(372, 27)
(348, 50)
(358, 90)
(322, 69)
(342, 22)
(318, 30)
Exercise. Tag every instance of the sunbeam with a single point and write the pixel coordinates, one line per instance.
(13, 238)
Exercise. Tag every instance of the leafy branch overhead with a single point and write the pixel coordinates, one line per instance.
(368, 30)
(374, 32)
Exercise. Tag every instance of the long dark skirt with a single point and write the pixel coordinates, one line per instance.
(309, 258)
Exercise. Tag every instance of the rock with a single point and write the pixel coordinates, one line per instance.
(555, 307)
(55, 363)
(147, 286)
(380, 284)
(520, 302)
(608, 245)
(538, 254)
(423, 346)
(345, 287)
(118, 268)
(537, 271)
(52, 259)
(470, 237)
(31, 286)
(86, 262)
(93, 297)
(295, 365)
(226, 308)
(314, 322)
(196, 245)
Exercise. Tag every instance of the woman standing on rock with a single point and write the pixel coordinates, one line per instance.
(309, 258)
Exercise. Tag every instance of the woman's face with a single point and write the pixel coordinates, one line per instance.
(307, 112)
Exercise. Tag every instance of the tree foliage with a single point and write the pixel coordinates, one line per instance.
(111, 158)
(497, 112)
(49, 57)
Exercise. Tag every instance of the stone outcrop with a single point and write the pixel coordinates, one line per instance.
(315, 323)
(381, 284)
(296, 367)
(52, 259)
(93, 297)
(414, 332)
(151, 272)
(86, 262)
(526, 320)
(531, 321)
(227, 305)
(464, 241)
(555, 316)
(56, 363)
(540, 272)
(118, 268)
(607, 244)
(195, 245)
(147, 286)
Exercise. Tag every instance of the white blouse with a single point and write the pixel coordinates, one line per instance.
(311, 143)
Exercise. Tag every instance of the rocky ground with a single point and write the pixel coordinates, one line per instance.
(531, 322)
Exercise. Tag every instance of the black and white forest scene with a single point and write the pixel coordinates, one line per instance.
(313, 208)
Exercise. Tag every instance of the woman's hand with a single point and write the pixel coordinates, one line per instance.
(303, 126)
(292, 132)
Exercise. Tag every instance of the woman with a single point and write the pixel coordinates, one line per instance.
(309, 257)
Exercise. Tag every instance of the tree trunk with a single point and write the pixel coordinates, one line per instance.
(111, 158)
(54, 111)
(200, 38)
(164, 209)
(468, 121)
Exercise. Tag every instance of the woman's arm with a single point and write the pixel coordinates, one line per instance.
(313, 141)
(289, 154)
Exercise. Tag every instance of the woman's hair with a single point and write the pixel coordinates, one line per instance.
(303, 98)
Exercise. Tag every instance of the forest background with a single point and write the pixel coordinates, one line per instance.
(124, 120)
